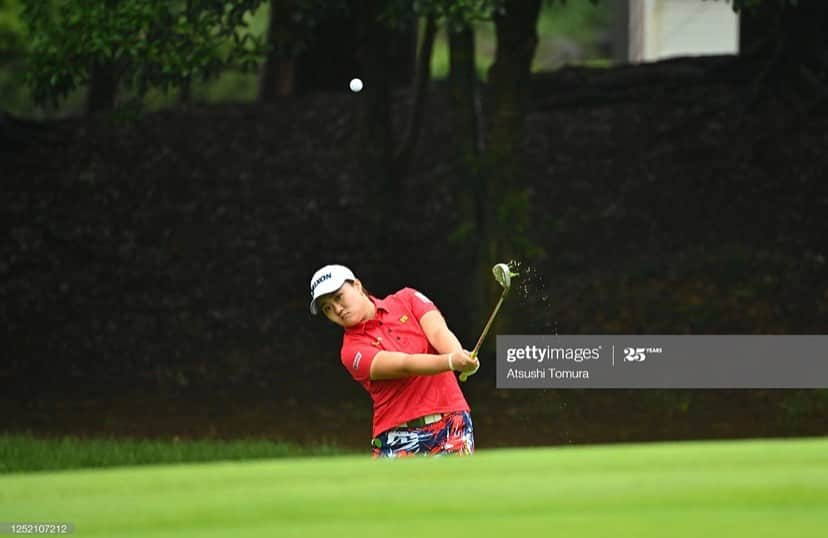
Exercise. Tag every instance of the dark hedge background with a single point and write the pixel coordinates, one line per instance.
(154, 273)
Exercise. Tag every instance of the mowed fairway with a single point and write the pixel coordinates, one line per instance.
(727, 489)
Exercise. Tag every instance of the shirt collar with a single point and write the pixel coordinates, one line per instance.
(381, 306)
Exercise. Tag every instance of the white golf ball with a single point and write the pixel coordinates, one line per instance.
(356, 85)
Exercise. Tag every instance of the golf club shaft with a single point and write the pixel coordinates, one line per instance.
(488, 326)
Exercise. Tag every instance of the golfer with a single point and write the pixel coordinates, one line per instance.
(401, 351)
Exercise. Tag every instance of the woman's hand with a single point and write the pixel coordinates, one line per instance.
(462, 361)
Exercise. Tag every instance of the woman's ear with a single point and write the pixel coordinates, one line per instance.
(358, 286)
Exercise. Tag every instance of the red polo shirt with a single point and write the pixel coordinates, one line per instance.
(396, 327)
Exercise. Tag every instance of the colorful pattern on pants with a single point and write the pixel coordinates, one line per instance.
(453, 434)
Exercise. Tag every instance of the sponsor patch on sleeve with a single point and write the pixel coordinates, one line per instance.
(357, 358)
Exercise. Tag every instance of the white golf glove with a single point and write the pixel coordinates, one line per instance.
(466, 375)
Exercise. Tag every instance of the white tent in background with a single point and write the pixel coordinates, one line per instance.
(649, 30)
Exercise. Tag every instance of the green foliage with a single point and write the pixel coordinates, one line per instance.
(149, 43)
(454, 14)
(578, 20)
(11, 29)
(571, 32)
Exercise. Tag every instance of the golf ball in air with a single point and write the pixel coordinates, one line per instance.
(356, 85)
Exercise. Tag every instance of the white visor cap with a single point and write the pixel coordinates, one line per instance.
(327, 280)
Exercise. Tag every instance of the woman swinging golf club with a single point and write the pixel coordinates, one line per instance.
(402, 352)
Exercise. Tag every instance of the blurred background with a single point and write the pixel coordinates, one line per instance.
(580, 33)
(173, 173)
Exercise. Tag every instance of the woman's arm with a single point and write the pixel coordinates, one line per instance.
(443, 340)
(438, 334)
(394, 364)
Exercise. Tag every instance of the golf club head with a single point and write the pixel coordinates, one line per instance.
(503, 275)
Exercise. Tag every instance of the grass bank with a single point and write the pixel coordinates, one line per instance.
(718, 489)
(23, 453)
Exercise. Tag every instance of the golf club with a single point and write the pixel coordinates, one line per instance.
(503, 275)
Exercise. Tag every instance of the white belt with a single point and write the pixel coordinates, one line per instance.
(422, 421)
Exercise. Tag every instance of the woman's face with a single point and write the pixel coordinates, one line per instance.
(347, 306)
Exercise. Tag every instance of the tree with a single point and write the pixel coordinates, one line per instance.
(488, 188)
(457, 17)
(405, 150)
(517, 39)
(284, 40)
(139, 44)
(470, 193)
(293, 27)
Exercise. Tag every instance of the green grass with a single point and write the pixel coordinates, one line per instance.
(757, 489)
(26, 453)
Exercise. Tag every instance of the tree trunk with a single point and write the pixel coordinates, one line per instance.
(103, 88)
(277, 79)
(404, 154)
(509, 77)
(464, 94)
(470, 189)
(504, 211)
(104, 79)
(277, 76)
